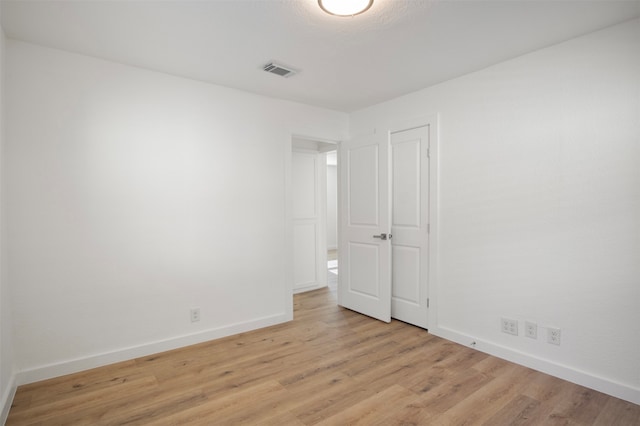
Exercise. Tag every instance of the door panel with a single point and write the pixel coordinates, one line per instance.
(363, 189)
(410, 260)
(406, 274)
(365, 261)
(406, 183)
(364, 281)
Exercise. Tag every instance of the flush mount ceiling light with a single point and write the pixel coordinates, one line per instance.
(345, 7)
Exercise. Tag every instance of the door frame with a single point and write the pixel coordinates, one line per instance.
(432, 122)
(288, 209)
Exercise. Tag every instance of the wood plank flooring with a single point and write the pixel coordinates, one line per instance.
(330, 366)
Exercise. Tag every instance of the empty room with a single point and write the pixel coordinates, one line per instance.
(320, 212)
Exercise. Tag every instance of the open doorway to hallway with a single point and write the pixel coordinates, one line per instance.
(332, 271)
(314, 189)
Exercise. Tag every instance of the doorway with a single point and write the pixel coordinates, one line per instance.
(314, 214)
(332, 222)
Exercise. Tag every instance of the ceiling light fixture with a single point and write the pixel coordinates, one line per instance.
(345, 7)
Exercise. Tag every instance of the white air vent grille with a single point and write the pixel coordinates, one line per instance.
(279, 70)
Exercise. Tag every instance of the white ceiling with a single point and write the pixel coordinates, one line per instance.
(397, 47)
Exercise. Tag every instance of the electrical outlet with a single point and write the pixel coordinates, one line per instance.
(531, 330)
(195, 314)
(553, 336)
(509, 326)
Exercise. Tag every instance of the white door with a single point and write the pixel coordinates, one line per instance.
(409, 225)
(308, 175)
(365, 256)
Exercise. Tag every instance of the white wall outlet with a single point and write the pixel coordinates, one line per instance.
(553, 336)
(531, 330)
(509, 326)
(195, 314)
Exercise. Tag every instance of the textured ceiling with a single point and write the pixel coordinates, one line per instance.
(397, 47)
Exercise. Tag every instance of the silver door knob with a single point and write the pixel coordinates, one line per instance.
(383, 236)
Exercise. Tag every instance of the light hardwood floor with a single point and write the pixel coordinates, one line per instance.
(330, 366)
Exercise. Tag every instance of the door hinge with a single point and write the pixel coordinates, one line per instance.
(427, 302)
(428, 228)
(428, 153)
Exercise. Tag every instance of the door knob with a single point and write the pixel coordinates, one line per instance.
(383, 236)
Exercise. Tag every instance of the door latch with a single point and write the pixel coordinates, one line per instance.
(383, 236)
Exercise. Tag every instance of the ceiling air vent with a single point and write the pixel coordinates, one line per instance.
(279, 70)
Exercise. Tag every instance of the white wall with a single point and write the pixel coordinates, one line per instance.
(134, 196)
(7, 378)
(540, 204)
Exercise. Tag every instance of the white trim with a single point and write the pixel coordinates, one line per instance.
(98, 360)
(434, 218)
(288, 228)
(414, 123)
(7, 399)
(601, 384)
(312, 138)
(321, 217)
(339, 228)
(308, 288)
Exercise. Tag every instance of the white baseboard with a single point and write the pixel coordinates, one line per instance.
(7, 399)
(308, 288)
(618, 390)
(124, 354)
